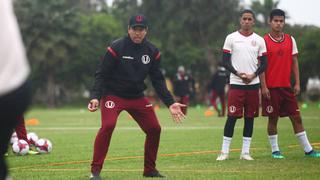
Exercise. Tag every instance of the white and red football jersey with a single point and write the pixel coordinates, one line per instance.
(245, 51)
(279, 55)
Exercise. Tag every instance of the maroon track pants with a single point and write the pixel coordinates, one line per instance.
(142, 112)
(21, 129)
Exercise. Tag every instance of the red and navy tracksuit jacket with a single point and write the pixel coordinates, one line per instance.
(124, 68)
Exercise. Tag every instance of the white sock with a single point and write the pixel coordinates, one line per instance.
(303, 139)
(226, 144)
(273, 139)
(246, 145)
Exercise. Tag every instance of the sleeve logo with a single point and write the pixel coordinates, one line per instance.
(145, 59)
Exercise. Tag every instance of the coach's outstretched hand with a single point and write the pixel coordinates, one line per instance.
(93, 105)
(177, 114)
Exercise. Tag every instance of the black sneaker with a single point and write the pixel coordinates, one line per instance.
(154, 174)
(94, 177)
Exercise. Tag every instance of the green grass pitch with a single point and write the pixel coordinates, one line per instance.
(187, 151)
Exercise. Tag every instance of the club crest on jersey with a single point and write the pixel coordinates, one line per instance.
(253, 43)
(145, 59)
(269, 109)
(109, 104)
(232, 109)
(280, 52)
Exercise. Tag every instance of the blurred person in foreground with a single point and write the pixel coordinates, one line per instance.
(278, 97)
(119, 85)
(14, 86)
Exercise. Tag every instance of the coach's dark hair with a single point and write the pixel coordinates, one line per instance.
(277, 12)
(248, 11)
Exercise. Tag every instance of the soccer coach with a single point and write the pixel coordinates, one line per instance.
(119, 85)
(14, 87)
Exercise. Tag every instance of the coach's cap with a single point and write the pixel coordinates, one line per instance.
(138, 20)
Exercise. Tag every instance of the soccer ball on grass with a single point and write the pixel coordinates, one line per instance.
(43, 146)
(20, 147)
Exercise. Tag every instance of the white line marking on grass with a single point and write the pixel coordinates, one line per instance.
(138, 128)
(310, 117)
(124, 128)
(63, 128)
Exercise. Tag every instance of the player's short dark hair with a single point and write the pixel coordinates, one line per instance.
(277, 12)
(248, 11)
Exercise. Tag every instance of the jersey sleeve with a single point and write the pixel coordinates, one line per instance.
(227, 47)
(262, 48)
(294, 46)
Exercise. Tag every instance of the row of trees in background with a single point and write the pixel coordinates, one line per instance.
(65, 39)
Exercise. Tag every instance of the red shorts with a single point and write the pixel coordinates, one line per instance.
(282, 103)
(243, 102)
